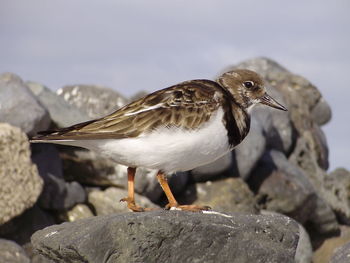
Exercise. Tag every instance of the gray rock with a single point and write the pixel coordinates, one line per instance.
(226, 195)
(248, 153)
(321, 113)
(95, 101)
(337, 193)
(108, 201)
(20, 183)
(61, 112)
(171, 236)
(283, 187)
(10, 252)
(19, 106)
(213, 170)
(342, 254)
(57, 194)
(80, 211)
(21, 228)
(277, 126)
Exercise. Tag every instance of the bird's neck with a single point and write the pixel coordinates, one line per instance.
(237, 123)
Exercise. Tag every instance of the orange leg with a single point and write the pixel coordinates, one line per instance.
(171, 199)
(131, 192)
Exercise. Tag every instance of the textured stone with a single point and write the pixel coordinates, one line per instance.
(276, 124)
(171, 236)
(342, 254)
(80, 211)
(95, 101)
(213, 170)
(21, 228)
(321, 113)
(108, 201)
(226, 195)
(20, 183)
(19, 106)
(283, 187)
(61, 112)
(329, 247)
(57, 194)
(247, 154)
(337, 193)
(10, 252)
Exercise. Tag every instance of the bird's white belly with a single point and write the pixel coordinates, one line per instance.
(167, 149)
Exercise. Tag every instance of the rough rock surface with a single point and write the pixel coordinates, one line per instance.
(337, 194)
(80, 211)
(19, 106)
(171, 236)
(108, 201)
(20, 183)
(235, 195)
(283, 187)
(252, 148)
(57, 193)
(342, 254)
(61, 112)
(10, 252)
(95, 101)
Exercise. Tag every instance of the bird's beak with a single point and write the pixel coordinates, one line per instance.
(269, 101)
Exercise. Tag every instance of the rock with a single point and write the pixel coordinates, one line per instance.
(21, 228)
(341, 254)
(329, 247)
(171, 236)
(248, 153)
(57, 194)
(213, 170)
(337, 193)
(283, 187)
(277, 126)
(10, 252)
(321, 112)
(20, 183)
(19, 106)
(226, 195)
(108, 201)
(80, 211)
(304, 249)
(95, 101)
(61, 112)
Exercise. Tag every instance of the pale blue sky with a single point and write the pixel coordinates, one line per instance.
(147, 45)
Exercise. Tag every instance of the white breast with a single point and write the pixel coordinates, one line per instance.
(167, 149)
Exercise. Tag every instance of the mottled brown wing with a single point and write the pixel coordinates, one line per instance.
(186, 105)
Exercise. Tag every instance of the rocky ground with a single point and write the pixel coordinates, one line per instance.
(272, 197)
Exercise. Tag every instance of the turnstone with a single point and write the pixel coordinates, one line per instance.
(174, 129)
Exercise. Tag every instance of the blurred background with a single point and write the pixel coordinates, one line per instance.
(132, 46)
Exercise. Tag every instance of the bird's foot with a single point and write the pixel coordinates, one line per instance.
(193, 208)
(133, 207)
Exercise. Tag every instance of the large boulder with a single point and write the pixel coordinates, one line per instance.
(57, 193)
(10, 252)
(19, 106)
(171, 236)
(20, 183)
(61, 112)
(95, 101)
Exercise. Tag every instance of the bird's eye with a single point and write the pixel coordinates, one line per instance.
(248, 84)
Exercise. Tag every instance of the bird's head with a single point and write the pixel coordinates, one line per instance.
(247, 89)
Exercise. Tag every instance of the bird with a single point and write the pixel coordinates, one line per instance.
(175, 129)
